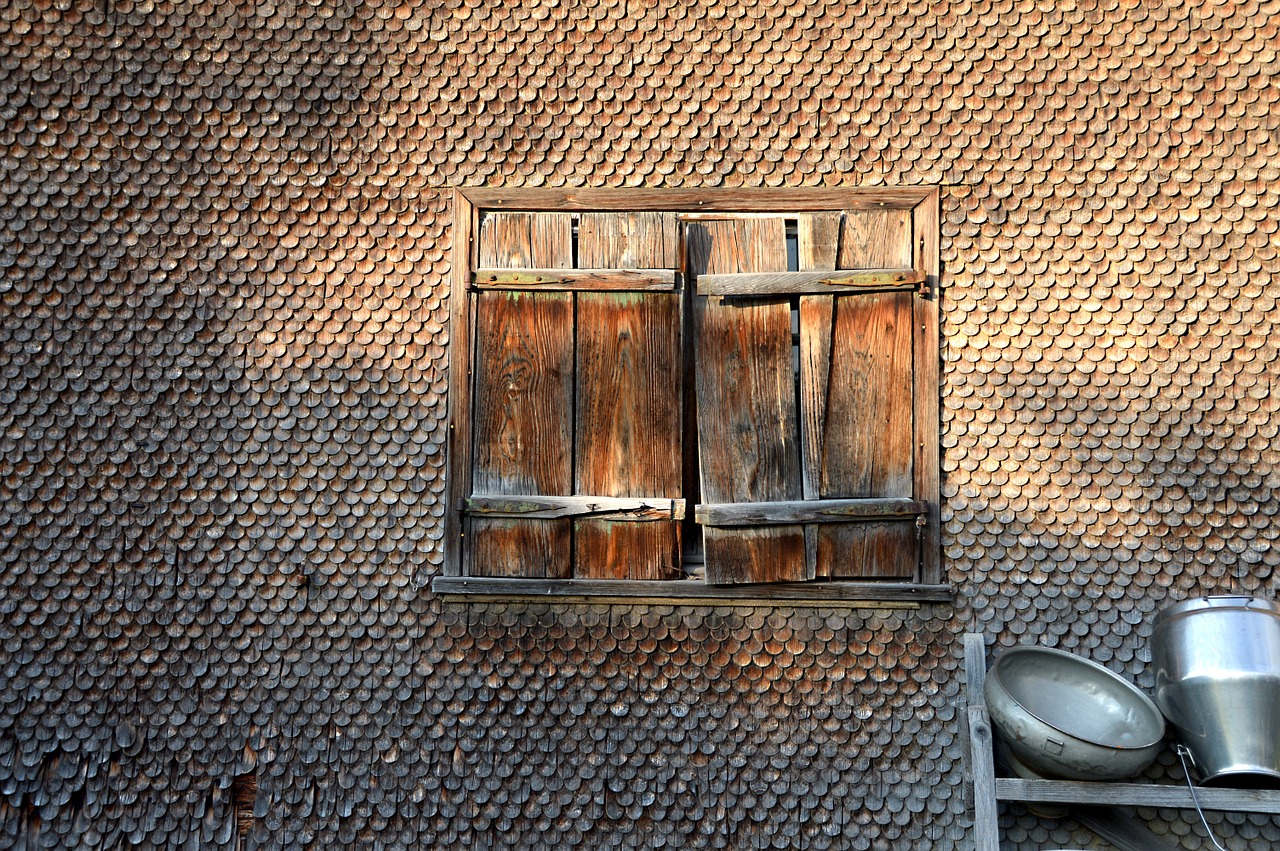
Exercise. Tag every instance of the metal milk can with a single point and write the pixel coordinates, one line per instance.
(1217, 669)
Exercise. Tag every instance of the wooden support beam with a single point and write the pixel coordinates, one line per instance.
(986, 827)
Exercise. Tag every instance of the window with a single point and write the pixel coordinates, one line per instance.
(694, 393)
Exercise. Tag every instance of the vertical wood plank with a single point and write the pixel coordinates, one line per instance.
(986, 826)
(975, 668)
(817, 248)
(629, 430)
(867, 433)
(628, 403)
(629, 368)
(523, 396)
(876, 239)
(458, 474)
(691, 256)
(524, 240)
(606, 549)
(926, 368)
(748, 431)
(529, 549)
(506, 240)
(981, 740)
(524, 393)
(817, 241)
(628, 241)
(867, 550)
(551, 241)
(856, 391)
(817, 318)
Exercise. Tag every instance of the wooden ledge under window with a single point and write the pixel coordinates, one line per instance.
(840, 593)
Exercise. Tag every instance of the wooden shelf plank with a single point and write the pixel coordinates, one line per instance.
(1136, 795)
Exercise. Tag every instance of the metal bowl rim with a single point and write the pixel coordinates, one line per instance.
(1148, 703)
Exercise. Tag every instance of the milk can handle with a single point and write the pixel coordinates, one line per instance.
(1185, 755)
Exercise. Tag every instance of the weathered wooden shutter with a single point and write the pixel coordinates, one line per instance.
(806, 451)
(577, 375)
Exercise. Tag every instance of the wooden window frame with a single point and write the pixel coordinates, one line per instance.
(922, 203)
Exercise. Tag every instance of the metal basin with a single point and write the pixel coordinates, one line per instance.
(1066, 717)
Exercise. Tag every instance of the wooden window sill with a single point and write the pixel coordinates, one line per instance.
(846, 593)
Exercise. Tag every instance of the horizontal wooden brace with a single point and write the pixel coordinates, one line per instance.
(595, 507)
(807, 511)
(597, 280)
(809, 283)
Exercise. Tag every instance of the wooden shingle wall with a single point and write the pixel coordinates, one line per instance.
(224, 235)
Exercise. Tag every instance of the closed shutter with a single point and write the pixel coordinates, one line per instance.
(806, 396)
(576, 397)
